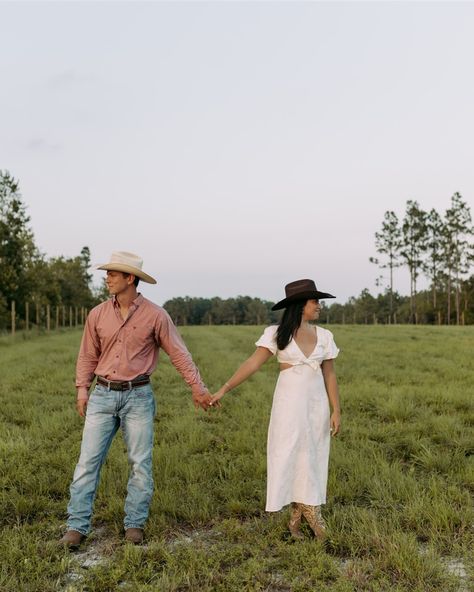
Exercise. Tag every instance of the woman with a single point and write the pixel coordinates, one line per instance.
(300, 422)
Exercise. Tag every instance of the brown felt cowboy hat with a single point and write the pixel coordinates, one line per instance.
(128, 263)
(300, 290)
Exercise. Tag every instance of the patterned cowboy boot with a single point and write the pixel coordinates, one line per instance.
(295, 521)
(315, 520)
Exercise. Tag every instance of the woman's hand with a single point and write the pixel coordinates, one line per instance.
(216, 397)
(335, 422)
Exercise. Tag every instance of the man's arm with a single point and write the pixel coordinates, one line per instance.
(87, 361)
(170, 340)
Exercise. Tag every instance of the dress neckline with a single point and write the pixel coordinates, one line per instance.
(314, 348)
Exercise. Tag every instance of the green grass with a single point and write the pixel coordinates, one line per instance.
(400, 488)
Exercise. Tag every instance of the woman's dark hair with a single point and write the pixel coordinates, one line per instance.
(290, 322)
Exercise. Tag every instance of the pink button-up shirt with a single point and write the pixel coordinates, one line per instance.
(122, 350)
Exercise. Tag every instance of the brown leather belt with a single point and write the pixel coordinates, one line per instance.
(126, 385)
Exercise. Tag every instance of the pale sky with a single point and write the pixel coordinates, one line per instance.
(236, 146)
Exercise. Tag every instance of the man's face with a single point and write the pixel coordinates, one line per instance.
(117, 282)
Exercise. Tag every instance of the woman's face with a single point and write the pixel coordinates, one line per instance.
(311, 310)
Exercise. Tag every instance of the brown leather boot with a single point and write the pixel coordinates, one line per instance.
(134, 535)
(295, 521)
(315, 520)
(72, 539)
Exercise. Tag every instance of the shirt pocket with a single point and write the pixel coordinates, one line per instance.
(140, 336)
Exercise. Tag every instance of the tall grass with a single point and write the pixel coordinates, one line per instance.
(400, 486)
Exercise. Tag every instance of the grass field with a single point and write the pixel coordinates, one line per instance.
(401, 484)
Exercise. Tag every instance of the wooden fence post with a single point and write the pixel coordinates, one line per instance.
(75, 316)
(48, 317)
(27, 316)
(57, 317)
(13, 317)
(70, 316)
(64, 316)
(37, 316)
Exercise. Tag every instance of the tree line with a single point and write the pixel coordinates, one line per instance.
(242, 310)
(427, 243)
(27, 277)
(363, 309)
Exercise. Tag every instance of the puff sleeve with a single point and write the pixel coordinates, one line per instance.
(331, 350)
(268, 339)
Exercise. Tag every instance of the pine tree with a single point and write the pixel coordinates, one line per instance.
(17, 248)
(414, 232)
(434, 247)
(388, 242)
(458, 252)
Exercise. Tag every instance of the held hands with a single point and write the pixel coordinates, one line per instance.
(216, 397)
(202, 401)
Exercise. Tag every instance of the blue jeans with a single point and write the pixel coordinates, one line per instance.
(134, 411)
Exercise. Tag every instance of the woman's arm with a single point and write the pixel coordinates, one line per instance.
(249, 367)
(330, 380)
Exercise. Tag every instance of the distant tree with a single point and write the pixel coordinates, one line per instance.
(414, 233)
(467, 290)
(365, 306)
(17, 247)
(458, 251)
(388, 242)
(72, 278)
(432, 266)
(177, 308)
(61, 281)
(256, 312)
(101, 292)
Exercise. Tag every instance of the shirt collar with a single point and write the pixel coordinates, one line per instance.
(135, 303)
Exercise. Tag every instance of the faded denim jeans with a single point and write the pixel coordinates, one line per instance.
(133, 410)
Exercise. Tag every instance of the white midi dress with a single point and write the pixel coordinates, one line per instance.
(299, 429)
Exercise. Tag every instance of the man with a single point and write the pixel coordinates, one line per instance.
(120, 345)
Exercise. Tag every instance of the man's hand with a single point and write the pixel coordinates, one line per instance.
(81, 406)
(202, 400)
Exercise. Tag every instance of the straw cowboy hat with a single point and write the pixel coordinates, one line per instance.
(128, 263)
(300, 290)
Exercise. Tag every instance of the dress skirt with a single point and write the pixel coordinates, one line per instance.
(298, 439)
